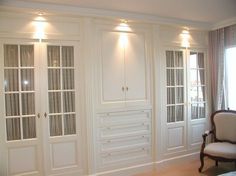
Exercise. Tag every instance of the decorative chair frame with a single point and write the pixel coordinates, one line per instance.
(213, 132)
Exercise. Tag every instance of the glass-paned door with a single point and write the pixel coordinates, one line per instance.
(61, 90)
(19, 91)
(175, 86)
(197, 85)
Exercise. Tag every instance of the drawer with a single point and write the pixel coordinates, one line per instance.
(124, 130)
(124, 142)
(130, 155)
(123, 117)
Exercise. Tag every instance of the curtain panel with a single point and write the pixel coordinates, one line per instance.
(219, 40)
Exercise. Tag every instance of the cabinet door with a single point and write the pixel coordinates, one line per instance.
(21, 124)
(112, 67)
(135, 68)
(61, 130)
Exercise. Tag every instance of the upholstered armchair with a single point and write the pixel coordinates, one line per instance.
(223, 145)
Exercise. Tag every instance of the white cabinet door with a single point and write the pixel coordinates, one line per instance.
(62, 139)
(135, 68)
(112, 68)
(40, 118)
(21, 113)
(123, 68)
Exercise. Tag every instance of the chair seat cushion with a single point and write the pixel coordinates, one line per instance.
(221, 149)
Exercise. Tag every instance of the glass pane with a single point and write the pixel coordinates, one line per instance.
(169, 59)
(67, 56)
(179, 59)
(10, 55)
(200, 60)
(12, 104)
(27, 79)
(27, 55)
(201, 94)
(11, 81)
(170, 77)
(28, 106)
(193, 60)
(201, 77)
(69, 124)
(170, 114)
(179, 77)
(69, 101)
(13, 129)
(54, 79)
(194, 111)
(53, 56)
(193, 77)
(68, 79)
(170, 95)
(194, 94)
(55, 125)
(29, 127)
(54, 102)
(201, 110)
(180, 113)
(179, 95)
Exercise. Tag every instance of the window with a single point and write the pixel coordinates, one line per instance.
(230, 77)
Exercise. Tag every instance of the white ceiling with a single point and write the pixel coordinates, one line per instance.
(204, 11)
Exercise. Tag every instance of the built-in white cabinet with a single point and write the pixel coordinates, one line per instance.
(123, 138)
(123, 68)
(40, 121)
(185, 114)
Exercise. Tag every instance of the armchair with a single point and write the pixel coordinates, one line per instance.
(223, 146)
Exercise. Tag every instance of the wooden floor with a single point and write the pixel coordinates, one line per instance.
(191, 169)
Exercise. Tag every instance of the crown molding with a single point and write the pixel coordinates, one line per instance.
(55, 9)
(224, 23)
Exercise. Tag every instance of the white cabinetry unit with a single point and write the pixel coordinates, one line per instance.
(185, 100)
(124, 77)
(41, 114)
(124, 139)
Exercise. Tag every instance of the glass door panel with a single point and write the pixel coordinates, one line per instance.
(19, 92)
(61, 90)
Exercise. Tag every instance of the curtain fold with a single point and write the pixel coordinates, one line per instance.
(219, 40)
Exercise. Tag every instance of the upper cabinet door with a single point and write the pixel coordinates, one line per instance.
(112, 68)
(123, 68)
(135, 68)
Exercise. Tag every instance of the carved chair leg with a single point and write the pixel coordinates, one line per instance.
(202, 162)
(216, 163)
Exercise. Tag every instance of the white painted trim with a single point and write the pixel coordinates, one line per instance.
(72, 11)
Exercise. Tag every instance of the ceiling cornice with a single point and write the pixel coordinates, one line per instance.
(33, 7)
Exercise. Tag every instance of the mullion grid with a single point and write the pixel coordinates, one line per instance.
(19, 92)
(62, 91)
(198, 86)
(175, 86)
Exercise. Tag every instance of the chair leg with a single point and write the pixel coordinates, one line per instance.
(202, 162)
(216, 163)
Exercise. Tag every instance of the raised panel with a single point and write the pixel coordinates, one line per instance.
(175, 137)
(112, 68)
(22, 160)
(197, 131)
(64, 154)
(135, 67)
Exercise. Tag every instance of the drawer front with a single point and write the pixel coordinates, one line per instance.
(123, 139)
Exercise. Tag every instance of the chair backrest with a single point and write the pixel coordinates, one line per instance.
(224, 125)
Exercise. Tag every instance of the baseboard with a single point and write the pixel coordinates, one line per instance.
(177, 159)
